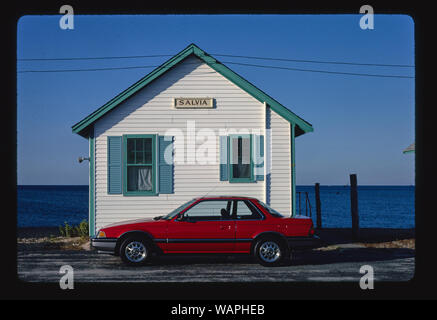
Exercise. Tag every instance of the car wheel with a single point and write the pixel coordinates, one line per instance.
(135, 251)
(270, 252)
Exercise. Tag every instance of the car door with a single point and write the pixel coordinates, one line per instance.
(249, 222)
(205, 227)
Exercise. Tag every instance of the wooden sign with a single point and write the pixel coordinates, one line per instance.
(193, 103)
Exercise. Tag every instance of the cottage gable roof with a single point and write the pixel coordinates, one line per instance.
(83, 127)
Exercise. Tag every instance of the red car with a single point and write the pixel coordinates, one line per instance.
(210, 225)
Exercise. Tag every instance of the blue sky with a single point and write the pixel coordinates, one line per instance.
(361, 124)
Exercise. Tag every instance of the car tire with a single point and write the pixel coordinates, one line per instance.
(135, 251)
(270, 252)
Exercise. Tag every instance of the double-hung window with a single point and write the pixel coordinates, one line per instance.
(240, 156)
(139, 165)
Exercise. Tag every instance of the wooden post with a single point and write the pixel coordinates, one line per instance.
(306, 204)
(318, 207)
(354, 206)
(299, 203)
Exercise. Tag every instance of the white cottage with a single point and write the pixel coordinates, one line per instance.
(190, 128)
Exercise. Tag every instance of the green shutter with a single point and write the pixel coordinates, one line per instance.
(224, 158)
(259, 157)
(166, 164)
(114, 165)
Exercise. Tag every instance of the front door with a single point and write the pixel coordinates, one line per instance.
(206, 227)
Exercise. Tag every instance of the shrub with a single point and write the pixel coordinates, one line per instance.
(62, 230)
(81, 230)
(69, 230)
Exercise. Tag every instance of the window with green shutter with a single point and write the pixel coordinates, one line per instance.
(139, 165)
(242, 158)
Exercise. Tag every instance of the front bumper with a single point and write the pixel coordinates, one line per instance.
(304, 242)
(104, 244)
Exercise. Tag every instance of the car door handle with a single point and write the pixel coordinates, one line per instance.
(225, 227)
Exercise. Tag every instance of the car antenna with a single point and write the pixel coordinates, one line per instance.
(210, 191)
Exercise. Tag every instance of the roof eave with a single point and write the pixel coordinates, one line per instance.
(80, 127)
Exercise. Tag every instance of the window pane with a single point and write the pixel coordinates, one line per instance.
(234, 156)
(241, 170)
(272, 211)
(131, 151)
(240, 158)
(148, 144)
(139, 151)
(139, 144)
(210, 210)
(148, 157)
(140, 157)
(245, 150)
(139, 178)
(177, 210)
(246, 211)
(147, 148)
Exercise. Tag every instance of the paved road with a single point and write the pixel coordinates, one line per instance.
(336, 265)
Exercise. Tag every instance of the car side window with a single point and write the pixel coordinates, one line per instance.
(244, 210)
(210, 210)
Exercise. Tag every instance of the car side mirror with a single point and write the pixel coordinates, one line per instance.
(188, 219)
(185, 218)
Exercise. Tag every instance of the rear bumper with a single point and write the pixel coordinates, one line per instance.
(304, 242)
(104, 244)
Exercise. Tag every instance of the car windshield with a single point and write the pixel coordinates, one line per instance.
(172, 214)
(272, 211)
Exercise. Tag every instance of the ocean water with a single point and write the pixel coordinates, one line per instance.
(48, 206)
(378, 206)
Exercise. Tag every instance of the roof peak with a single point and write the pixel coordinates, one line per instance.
(83, 127)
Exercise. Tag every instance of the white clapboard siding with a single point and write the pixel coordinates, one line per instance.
(150, 111)
(280, 173)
